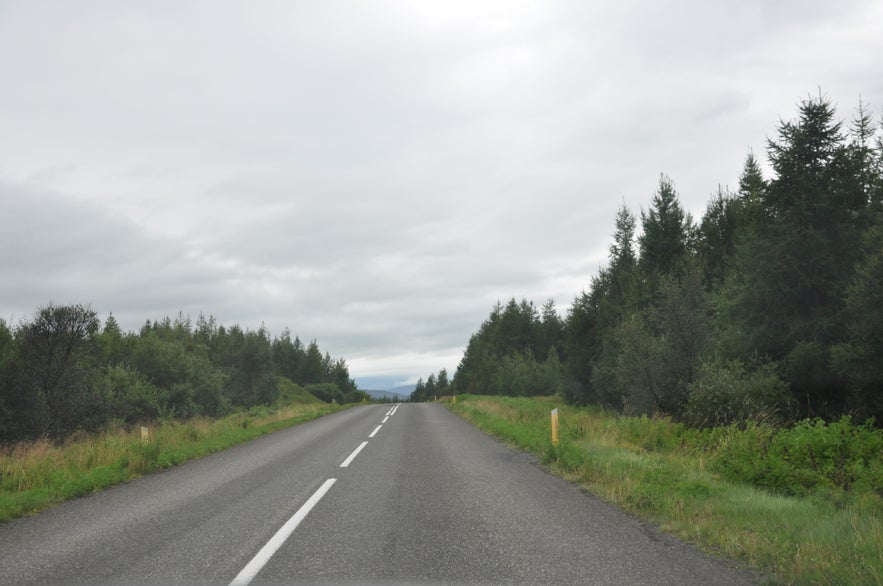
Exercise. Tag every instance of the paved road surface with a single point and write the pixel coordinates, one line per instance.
(427, 499)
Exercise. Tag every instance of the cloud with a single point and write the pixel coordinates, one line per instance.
(377, 175)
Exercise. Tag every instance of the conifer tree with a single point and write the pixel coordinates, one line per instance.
(665, 239)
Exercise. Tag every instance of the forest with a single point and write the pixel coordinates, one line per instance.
(768, 308)
(63, 371)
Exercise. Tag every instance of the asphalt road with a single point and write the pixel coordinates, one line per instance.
(375, 494)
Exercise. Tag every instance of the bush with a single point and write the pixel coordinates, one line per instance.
(327, 392)
(132, 397)
(812, 455)
(726, 393)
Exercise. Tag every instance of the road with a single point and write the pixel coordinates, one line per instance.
(376, 494)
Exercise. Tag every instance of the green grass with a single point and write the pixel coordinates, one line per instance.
(290, 392)
(682, 480)
(37, 475)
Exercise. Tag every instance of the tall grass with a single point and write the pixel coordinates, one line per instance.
(36, 475)
(816, 522)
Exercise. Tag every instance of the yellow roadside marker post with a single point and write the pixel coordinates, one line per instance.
(555, 426)
(454, 400)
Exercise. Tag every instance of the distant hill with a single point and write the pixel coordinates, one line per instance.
(386, 395)
(404, 390)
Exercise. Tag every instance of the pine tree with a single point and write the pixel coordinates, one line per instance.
(665, 240)
(717, 238)
(785, 298)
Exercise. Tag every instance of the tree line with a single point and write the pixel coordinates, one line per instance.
(62, 371)
(770, 306)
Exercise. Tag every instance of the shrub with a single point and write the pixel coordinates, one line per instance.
(726, 393)
(326, 392)
(811, 456)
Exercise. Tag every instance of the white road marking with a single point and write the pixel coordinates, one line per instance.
(385, 419)
(376, 429)
(352, 456)
(251, 570)
(394, 409)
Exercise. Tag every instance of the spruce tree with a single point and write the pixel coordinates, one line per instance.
(665, 239)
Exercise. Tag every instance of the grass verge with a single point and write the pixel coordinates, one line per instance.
(670, 475)
(37, 475)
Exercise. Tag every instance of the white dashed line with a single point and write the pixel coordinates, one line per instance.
(251, 570)
(352, 456)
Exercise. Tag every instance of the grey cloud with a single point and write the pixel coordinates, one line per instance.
(377, 175)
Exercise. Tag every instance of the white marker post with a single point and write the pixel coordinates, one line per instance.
(555, 426)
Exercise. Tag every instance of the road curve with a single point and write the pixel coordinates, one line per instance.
(375, 494)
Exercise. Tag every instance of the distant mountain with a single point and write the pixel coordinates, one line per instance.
(387, 395)
(404, 390)
(385, 387)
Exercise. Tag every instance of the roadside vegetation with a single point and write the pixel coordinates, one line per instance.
(803, 505)
(64, 372)
(74, 395)
(722, 377)
(36, 474)
(769, 308)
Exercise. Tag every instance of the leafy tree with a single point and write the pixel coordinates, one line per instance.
(327, 392)
(653, 356)
(728, 393)
(131, 396)
(57, 363)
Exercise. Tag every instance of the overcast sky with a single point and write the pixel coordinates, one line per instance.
(375, 175)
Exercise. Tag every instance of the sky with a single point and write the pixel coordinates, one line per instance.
(376, 175)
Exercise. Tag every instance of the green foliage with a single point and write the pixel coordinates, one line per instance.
(332, 393)
(132, 397)
(650, 359)
(508, 354)
(784, 271)
(56, 371)
(667, 230)
(801, 250)
(291, 393)
(860, 359)
(727, 392)
(38, 474)
(251, 380)
(695, 483)
(812, 457)
(60, 374)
